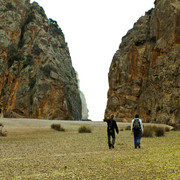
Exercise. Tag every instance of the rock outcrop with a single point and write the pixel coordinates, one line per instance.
(36, 73)
(144, 75)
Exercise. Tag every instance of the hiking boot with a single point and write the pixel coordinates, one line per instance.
(113, 146)
(139, 145)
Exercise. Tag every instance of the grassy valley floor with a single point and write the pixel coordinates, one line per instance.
(34, 151)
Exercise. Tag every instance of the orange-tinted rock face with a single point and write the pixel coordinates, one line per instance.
(144, 76)
(36, 73)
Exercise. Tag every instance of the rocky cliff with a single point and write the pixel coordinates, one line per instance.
(144, 75)
(85, 110)
(36, 73)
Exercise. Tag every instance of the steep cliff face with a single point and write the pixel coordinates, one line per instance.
(85, 110)
(36, 73)
(144, 76)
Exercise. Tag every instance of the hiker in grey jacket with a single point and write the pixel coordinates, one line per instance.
(137, 129)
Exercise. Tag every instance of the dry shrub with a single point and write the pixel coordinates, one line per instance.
(84, 129)
(176, 127)
(128, 128)
(147, 131)
(159, 131)
(57, 127)
(2, 131)
(167, 129)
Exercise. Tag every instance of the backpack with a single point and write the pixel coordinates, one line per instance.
(136, 125)
(110, 128)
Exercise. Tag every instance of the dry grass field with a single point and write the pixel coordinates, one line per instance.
(32, 150)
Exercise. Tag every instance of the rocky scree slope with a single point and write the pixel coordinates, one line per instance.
(36, 73)
(144, 75)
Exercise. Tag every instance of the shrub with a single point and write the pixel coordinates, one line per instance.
(57, 127)
(31, 100)
(10, 6)
(84, 129)
(36, 50)
(176, 127)
(150, 11)
(167, 129)
(147, 132)
(55, 29)
(29, 61)
(3, 92)
(128, 128)
(153, 39)
(32, 82)
(2, 132)
(159, 131)
(46, 70)
(154, 128)
(13, 55)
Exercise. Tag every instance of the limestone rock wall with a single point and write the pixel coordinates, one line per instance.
(37, 79)
(144, 75)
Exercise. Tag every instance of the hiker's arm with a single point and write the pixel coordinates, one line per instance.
(117, 130)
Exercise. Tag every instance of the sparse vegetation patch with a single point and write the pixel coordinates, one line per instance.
(147, 132)
(84, 129)
(2, 131)
(159, 131)
(57, 127)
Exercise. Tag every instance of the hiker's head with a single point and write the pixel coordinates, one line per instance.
(112, 116)
(136, 116)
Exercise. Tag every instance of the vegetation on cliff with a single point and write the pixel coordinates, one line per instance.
(144, 75)
(37, 77)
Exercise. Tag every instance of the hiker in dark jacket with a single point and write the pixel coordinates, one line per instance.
(111, 127)
(137, 129)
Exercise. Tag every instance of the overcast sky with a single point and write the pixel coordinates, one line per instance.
(93, 30)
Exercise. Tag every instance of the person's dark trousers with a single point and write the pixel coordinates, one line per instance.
(137, 138)
(111, 144)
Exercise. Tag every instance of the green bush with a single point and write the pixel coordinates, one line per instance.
(159, 131)
(84, 129)
(57, 127)
(36, 50)
(153, 39)
(55, 29)
(147, 131)
(29, 61)
(32, 82)
(13, 55)
(10, 6)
